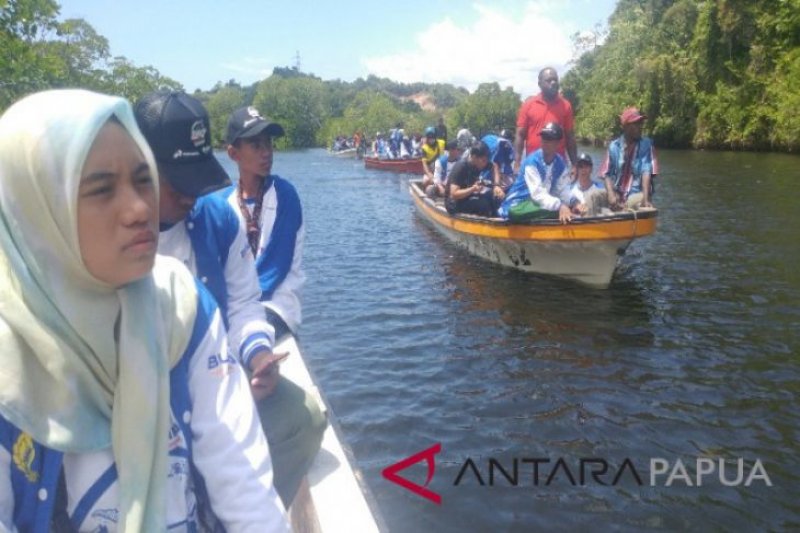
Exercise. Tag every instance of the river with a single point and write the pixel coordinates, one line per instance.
(691, 354)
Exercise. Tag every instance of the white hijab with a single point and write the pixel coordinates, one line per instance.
(66, 377)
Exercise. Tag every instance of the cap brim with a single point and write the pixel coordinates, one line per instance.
(635, 120)
(196, 178)
(273, 129)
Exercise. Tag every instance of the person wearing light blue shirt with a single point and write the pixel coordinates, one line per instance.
(631, 165)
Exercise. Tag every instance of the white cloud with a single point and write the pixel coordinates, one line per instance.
(508, 48)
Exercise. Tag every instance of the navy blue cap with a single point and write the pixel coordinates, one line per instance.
(178, 131)
(247, 122)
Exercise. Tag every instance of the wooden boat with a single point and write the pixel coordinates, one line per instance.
(338, 499)
(346, 153)
(585, 250)
(409, 166)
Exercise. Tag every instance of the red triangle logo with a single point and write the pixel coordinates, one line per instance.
(390, 473)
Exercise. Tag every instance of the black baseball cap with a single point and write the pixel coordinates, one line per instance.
(178, 131)
(552, 131)
(247, 122)
(584, 159)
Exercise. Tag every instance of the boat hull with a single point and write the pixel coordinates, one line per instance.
(344, 154)
(586, 251)
(339, 498)
(408, 166)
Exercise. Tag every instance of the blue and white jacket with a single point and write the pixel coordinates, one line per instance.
(280, 249)
(212, 243)
(501, 153)
(547, 185)
(215, 442)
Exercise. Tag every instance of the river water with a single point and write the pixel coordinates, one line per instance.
(691, 354)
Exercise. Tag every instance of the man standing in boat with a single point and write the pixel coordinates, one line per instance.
(630, 165)
(546, 107)
(542, 187)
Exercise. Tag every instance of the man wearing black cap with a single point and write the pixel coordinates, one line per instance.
(205, 232)
(541, 189)
(201, 229)
(269, 208)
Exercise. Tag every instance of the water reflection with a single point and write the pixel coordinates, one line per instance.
(691, 352)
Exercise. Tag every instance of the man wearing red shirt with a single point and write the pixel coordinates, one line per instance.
(536, 111)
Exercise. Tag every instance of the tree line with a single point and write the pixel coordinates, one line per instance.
(720, 74)
(709, 74)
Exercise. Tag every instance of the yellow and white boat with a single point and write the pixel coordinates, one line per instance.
(585, 250)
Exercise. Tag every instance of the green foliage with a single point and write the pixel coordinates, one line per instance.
(297, 103)
(220, 104)
(714, 73)
(487, 109)
(38, 52)
(132, 82)
(369, 112)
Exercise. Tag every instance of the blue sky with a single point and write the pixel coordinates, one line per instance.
(204, 41)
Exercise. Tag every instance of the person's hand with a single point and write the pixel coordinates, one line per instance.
(266, 372)
(647, 203)
(613, 202)
(580, 209)
(516, 167)
(498, 192)
(564, 214)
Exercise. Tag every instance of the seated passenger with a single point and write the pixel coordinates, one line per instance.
(416, 146)
(465, 139)
(395, 139)
(432, 148)
(204, 232)
(541, 189)
(587, 197)
(405, 148)
(442, 169)
(630, 166)
(501, 157)
(465, 191)
(120, 406)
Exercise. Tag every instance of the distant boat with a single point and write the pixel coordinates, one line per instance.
(409, 166)
(347, 152)
(585, 250)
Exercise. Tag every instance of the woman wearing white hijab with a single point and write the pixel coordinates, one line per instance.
(120, 407)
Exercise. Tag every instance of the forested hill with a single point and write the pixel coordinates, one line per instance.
(710, 74)
(314, 111)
